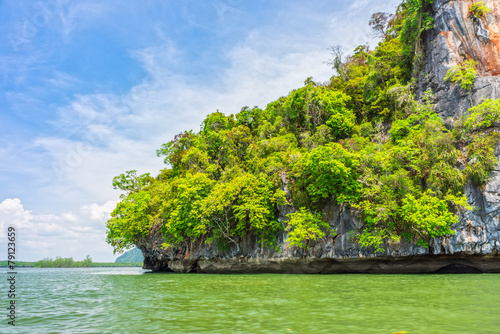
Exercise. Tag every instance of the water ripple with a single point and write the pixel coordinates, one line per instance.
(125, 300)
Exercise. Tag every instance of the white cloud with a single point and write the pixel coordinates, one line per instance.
(70, 234)
(12, 213)
(99, 212)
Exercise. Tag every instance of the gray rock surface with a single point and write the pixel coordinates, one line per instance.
(456, 37)
(475, 246)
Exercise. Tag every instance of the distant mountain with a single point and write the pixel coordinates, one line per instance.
(133, 255)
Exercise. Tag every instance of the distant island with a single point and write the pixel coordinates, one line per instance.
(131, 256)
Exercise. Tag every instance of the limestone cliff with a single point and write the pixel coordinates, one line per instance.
(476, 244)
(458, 36)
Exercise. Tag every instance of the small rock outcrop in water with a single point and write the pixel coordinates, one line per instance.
(476, 244)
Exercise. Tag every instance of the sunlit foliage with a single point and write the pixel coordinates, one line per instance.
(479, 10)
(463, 74)
(305, 226)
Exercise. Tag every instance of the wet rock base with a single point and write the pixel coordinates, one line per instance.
(427, 264)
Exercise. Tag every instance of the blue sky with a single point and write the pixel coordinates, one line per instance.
(90, 89)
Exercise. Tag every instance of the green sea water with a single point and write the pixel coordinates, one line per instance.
(129, 300)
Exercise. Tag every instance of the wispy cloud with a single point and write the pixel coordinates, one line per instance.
(357, 5)
(79, 14)
(63, 80)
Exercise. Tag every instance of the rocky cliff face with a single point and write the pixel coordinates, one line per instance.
(459, 36)
(475, 247)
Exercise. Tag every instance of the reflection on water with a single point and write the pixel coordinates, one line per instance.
(129, 300)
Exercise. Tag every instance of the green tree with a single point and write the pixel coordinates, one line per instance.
(429, 216)
(87, 262)
(241, 207)
(304, 227)
(181, 205)
(130, 182)
(329, 171)
(174, 150)
(130, 220)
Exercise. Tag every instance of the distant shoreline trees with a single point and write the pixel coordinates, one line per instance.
(60, 262)
(66, 262)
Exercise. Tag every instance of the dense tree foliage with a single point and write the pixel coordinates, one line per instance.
(361, 140)
(66, 262)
